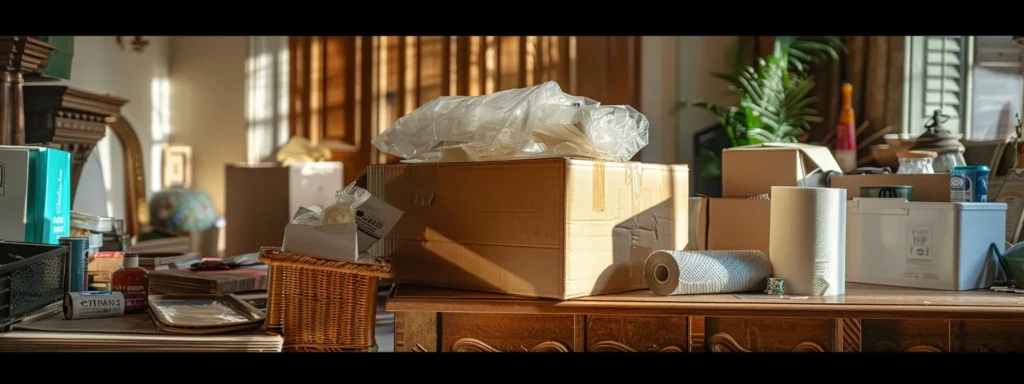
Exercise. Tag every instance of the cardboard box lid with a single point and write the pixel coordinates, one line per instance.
(815, 158)
(746, 177)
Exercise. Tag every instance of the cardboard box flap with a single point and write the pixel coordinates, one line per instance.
(815, 158)
(813, 166)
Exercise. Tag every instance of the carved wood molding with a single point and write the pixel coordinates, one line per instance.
(473, 345)
(24, 54)
(888, 346)
(69, 119)
(723, 342)
(615, 346)
(848, 335)
(695, 335)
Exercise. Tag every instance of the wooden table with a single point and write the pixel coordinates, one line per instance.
(867, 318)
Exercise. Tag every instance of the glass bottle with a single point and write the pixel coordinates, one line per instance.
(133, 282)
(916, 162)
(846, 133)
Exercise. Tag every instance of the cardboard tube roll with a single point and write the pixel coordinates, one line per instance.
(808, 239)
(706, 272)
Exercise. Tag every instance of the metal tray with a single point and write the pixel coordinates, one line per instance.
(203, 314)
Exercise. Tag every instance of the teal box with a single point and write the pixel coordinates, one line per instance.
(35, 194)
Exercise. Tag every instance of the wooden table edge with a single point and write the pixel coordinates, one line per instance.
(778, 310)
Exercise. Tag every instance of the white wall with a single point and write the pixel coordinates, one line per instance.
(677, 69)
(208, 79)
(200, 79)
(697, 58)
(101, 66)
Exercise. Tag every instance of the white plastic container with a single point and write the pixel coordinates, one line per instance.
(923, 244)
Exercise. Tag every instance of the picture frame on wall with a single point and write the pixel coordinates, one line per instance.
(177, 169)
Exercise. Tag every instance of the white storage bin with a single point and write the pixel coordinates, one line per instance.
(923, 244)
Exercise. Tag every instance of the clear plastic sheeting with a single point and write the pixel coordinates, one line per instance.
(528, 122)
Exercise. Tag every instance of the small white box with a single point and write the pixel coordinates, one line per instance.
(331, 241)
(942, 246)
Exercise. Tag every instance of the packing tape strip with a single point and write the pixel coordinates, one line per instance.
(598, 187)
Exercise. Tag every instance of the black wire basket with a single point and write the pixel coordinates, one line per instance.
(32, 276)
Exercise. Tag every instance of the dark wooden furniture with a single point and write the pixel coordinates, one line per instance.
(68, 119)
(868, 318)
(74, 120)
(20, 56)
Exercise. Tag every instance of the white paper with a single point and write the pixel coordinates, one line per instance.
(808, 239)
(332, 241)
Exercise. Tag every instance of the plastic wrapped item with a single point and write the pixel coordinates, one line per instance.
(344, 208)
(526, 122)
(312, 215)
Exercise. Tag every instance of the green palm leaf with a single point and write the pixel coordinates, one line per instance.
(776, 103)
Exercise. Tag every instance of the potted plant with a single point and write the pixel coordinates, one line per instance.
(775, 97)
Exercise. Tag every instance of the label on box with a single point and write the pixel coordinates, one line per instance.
(374, 219)
(919, 254)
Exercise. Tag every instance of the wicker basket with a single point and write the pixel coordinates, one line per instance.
(322, 305)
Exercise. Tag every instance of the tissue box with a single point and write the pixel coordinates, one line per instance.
(331, 241)
(35, 194)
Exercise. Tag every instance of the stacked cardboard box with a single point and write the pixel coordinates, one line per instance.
(740, 219)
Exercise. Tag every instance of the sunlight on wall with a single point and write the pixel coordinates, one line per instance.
(266, 104)
(160, 128)
(103, 147)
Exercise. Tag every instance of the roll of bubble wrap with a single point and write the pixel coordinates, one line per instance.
(705, 272)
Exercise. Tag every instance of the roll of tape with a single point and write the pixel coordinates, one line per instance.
(776, 286)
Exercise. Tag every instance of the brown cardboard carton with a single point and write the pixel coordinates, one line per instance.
(553, 227)
(753, 170)
(261, 198)
(739, 224)
(927, 187)
(698, 223)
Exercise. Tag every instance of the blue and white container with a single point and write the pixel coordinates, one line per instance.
(968, 184)
(78, 267)
(35, 194)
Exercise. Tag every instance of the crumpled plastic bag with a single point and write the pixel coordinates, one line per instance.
(527, 122)
(301, 150)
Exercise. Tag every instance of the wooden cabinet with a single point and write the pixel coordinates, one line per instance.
(868, 319)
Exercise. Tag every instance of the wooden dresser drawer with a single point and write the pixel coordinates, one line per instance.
(484, 332)
(636, 333)
(752, 334)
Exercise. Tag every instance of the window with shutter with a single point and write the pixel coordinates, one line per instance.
(997, 88)
(938, 71)
(976, 81)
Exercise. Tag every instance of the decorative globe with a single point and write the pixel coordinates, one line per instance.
(180, 209)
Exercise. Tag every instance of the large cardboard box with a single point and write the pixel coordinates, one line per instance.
(754, 169)
(927, 187)
(554, 227)
(261, 198)
(739, 224)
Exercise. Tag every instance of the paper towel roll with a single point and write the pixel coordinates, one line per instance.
(703, 272)
(808, 239)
